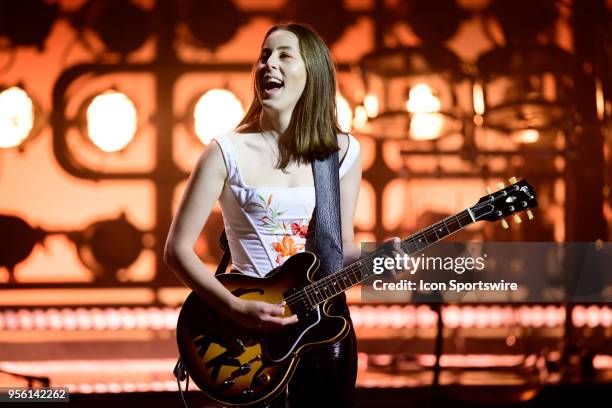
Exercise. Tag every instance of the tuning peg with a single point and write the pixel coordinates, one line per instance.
(529, 214)
(504, 224)
(500, 185)
(517, 219)
(489, 190)
(512, 180)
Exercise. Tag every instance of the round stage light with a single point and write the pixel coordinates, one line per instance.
(111, 121)
(108, 246)
(422, 100)
(215, 112)
(16, 117)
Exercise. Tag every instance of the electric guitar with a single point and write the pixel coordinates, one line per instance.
(238, 366)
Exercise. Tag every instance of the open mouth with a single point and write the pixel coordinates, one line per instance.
(272, 86)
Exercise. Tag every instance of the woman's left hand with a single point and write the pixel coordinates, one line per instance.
(394, 247)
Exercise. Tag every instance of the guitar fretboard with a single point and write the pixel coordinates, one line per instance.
(362, 269)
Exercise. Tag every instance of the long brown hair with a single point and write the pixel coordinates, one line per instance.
(312, 131)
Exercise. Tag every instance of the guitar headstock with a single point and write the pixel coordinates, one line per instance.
(517, 197)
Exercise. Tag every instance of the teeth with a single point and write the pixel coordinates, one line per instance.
(274, 80)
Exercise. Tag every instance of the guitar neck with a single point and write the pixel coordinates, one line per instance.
(362, 269)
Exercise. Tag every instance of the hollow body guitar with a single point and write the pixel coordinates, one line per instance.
(241, 367)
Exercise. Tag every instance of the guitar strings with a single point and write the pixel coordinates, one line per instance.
(314, 287)
(351, 271)
(354, 267)
(310, 289)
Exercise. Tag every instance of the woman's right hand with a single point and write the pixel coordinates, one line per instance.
(259, 315)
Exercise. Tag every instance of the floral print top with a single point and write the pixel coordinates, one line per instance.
(265, 226)
(290, 237)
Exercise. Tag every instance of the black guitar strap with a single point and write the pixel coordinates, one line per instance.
(327, 240)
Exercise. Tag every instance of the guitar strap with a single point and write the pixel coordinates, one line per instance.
(326, 242)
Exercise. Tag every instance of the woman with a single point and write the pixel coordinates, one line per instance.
(261, 174)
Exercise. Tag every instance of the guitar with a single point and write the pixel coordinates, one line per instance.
(238, 366)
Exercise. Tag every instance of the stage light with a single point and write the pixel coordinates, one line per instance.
(111, 121)
(370, 103)
(18, 240)
(399, 99)
(344, 113)
(600, 100)
(391, 73)
(16, 117)
(328, 18)
(26, 319)
(522, 20)
(426, 126)
(84, 320)
(122, 26)
(69, 317)
(451, 316)
(434, 22)
(212, 25)
(361, 117)
(54, 319)
(422, 100)
(478, 99)
(425, 123)
(215, 112)
(109, 246)
(526, 136)
(425, 316)
(483, 317)
(27, 22)
(410, 316)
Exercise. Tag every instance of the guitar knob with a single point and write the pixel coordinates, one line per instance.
(256, 358)
(264, 378)
(504, 224)
(489, 190)
(512, 180)
(517, 219)
(500, 185)
(530, 214)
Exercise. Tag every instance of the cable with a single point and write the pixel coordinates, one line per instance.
(181, 374)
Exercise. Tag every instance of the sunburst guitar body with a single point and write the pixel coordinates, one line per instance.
(241, 367)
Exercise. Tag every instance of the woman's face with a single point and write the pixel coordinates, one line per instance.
(280, 72)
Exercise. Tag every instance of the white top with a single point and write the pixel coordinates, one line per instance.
(266, 225)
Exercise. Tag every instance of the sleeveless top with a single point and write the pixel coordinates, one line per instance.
(266, 225)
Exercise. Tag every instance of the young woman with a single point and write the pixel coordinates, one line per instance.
(262, 176)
